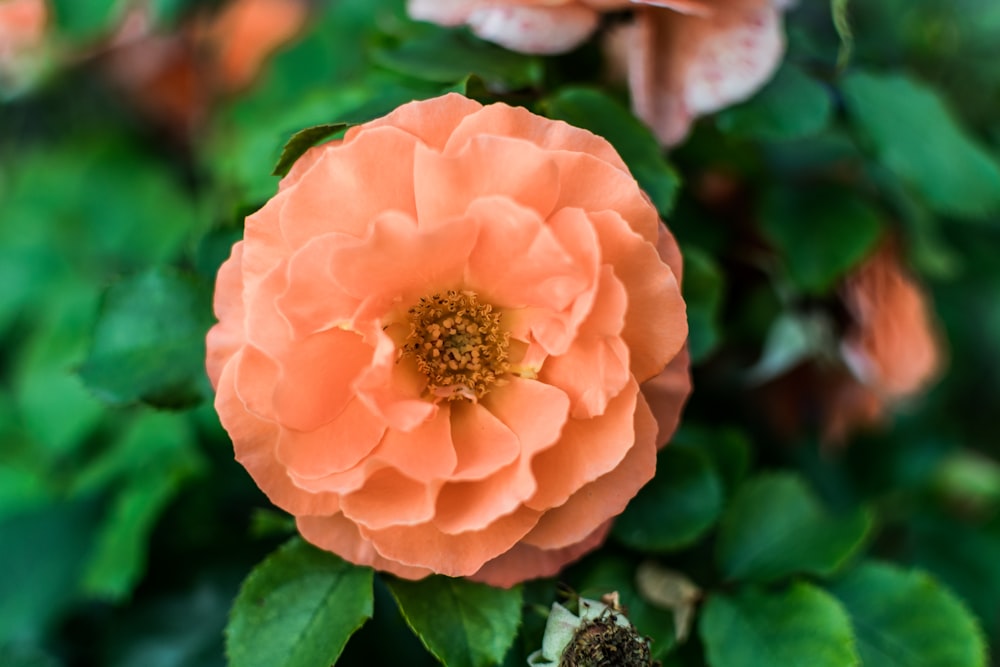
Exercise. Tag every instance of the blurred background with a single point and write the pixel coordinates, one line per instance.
(135, 135)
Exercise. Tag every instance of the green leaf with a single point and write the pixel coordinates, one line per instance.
(915, 135)
(40, 561)
(677, 507)
(297, 608)
(595, 111)
(791, 106)
(704, 286)
(792, 339)
(21, 656)
(906, 619)
(448, 56)
(149, 341)
(775, 527)
(461, 622)
(86, 19)
(302, 141)
(729, 449)
(821, 232)
(157, 457)
(800, 626)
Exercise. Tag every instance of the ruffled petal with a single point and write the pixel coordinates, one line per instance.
(596, 366)
(326, 196)
(656, 321)
(431, 124)
(519, 123)
(425, 453)
(524, 561)
(334, 447)
(337, 534)
(466, 506)
(252, 439)
(667, 393)
(316, 378)
(605, 497)
(451, 555)
(390, 498)
(587, 449)
(447, 183)
(225, 338)
(483, 443)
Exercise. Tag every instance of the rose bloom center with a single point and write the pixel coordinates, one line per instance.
(458, 343)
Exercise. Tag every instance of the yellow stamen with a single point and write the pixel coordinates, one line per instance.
(457, 342)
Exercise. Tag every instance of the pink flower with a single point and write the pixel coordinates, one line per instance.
(435, 342)
(684, 58)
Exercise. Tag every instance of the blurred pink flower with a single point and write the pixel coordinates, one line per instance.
(683, 58)
(452, 342)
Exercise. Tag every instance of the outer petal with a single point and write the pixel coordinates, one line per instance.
(519, 123)
(226, 337)
(341, 536)
(606, 496)
(588, 449)
(667, 393)
(253, 439)
(452, 555)
(524, 561)
(431, 124)
(682, 66)
(656, 322)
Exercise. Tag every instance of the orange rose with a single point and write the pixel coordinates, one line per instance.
(683, 58)
(431, 342)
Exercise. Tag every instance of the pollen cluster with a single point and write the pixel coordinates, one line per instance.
(457, 342)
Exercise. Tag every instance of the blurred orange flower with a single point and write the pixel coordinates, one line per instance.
(22, 28)
(891, 351)
(434, 343)
(176, 78)
(683, 58)
(892, 346)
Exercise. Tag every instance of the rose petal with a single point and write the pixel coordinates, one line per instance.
(326, 196)
(451, 555)
(252, 438)
(431, 124)
(424, 261)
(467, 506)
(447, 183)
(596, 366)
(316, 378)
(312, 300)
(606, 496)
(226, 337)
(519, 123)
(334, 447)
(656, 321)
(483, 443)
(524, 561)
(339, 535)
(587, 449)
(390, 498)
(534, 411)
(667, 393)
(424, 454)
